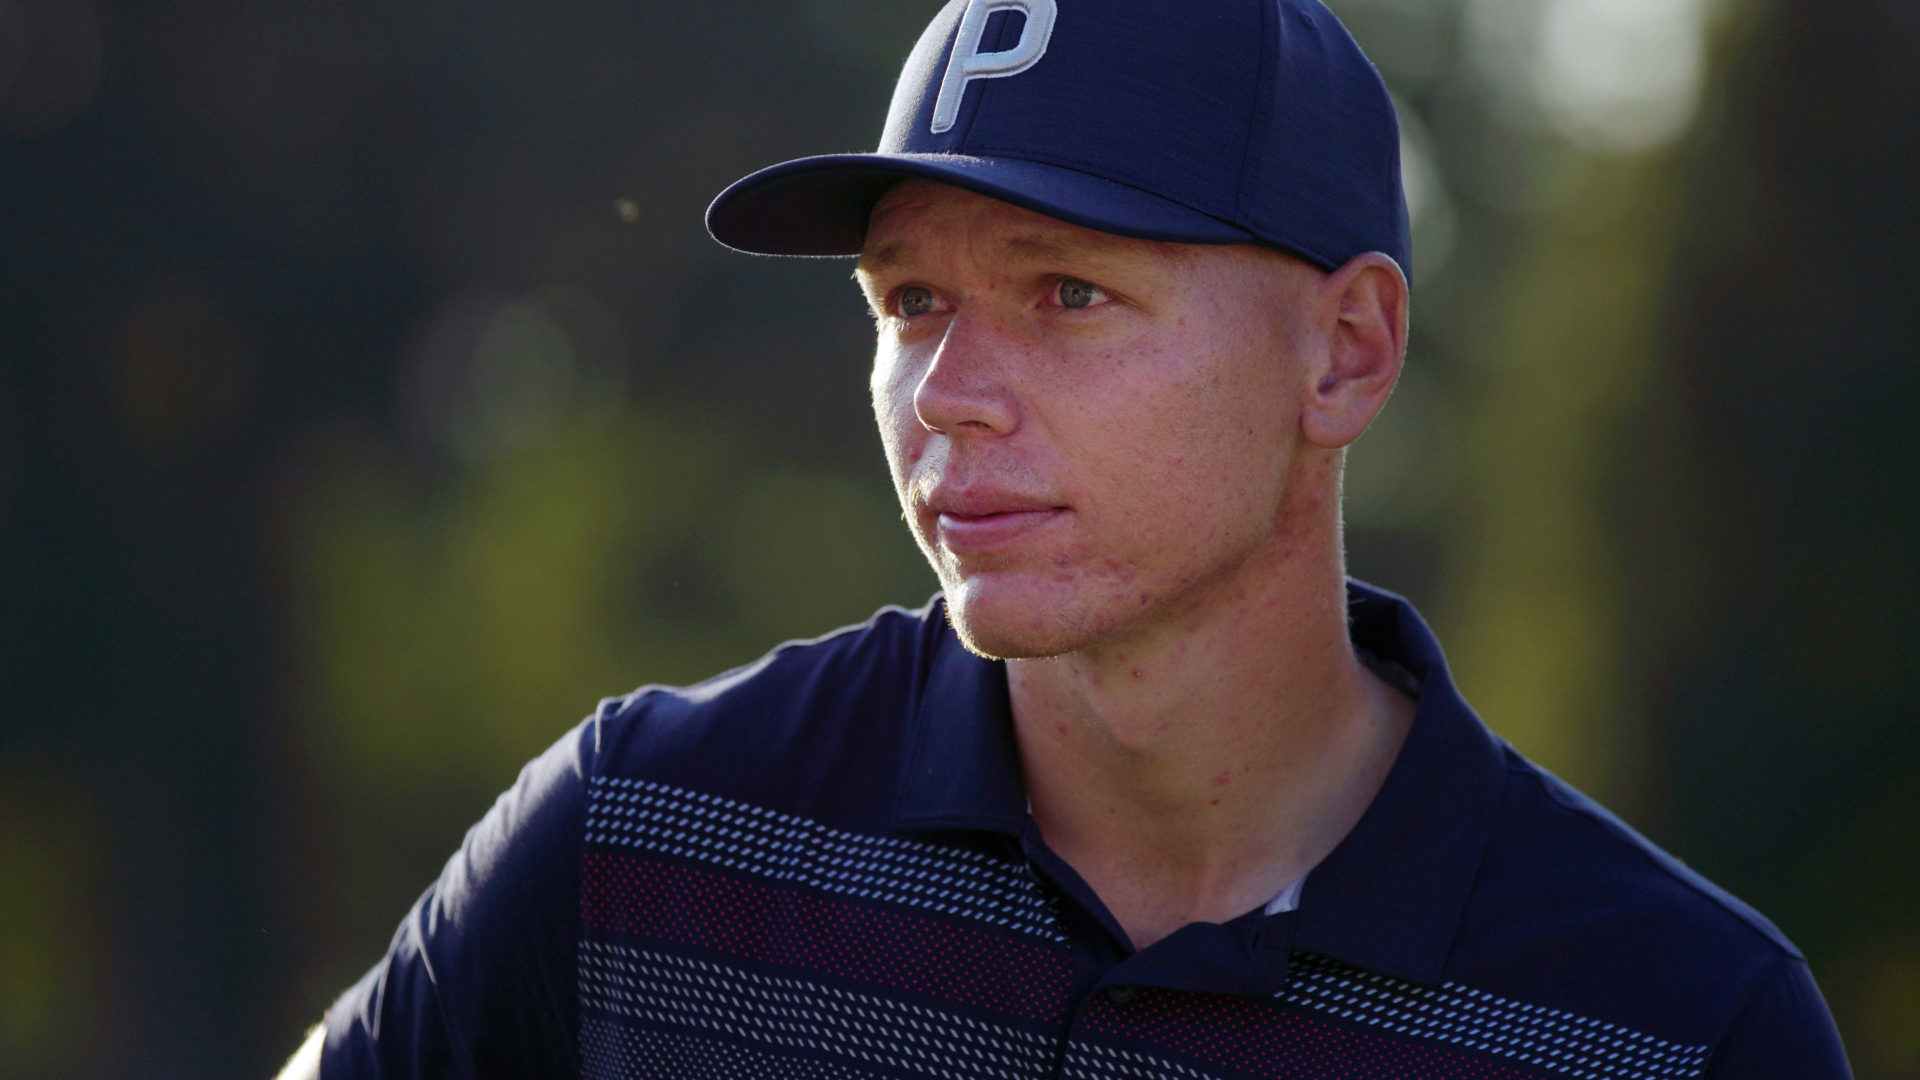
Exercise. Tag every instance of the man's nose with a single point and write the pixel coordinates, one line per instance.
(966, 389)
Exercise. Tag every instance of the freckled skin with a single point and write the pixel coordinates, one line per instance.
(1149, 417)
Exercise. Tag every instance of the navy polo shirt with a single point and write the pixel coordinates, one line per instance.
(821, 866)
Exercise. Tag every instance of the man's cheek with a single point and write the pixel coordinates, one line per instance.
(893, 404)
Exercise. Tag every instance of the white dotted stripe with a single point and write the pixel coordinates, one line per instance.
(610, 1051)
(744, 827)
(739, 836)
(1575, 1046)
(1092, 1061)
(614, 975)
(683, 994)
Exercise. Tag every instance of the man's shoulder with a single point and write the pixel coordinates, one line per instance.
(1571, 905)
(785, 729)
(1576, 830)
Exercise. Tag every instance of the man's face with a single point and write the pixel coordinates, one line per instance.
(1089, 434)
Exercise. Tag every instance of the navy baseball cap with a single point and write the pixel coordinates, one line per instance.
(1200, 121)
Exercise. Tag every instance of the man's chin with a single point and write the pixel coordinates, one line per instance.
(1010, 628)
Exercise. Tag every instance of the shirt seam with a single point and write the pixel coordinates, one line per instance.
(1257, 116)
(1518, 768)
(1736, 1029)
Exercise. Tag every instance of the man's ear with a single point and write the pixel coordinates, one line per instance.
(1362, 310)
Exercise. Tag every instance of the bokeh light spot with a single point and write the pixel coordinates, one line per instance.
(495, 376)
(1620, 74)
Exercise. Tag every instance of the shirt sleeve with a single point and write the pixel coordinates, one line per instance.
(1785, 1033)
(479, 980)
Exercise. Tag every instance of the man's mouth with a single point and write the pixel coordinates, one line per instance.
(979, 523)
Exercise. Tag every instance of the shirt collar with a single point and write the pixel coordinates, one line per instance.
(1387, 899)
(963, 765)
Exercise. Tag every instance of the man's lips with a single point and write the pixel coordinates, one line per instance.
(979, 527)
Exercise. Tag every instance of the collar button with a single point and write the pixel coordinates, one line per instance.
(1121, 995)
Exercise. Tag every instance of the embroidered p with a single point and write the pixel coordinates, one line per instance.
(968, 63)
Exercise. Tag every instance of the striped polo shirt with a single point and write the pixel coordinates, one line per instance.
(821, 866)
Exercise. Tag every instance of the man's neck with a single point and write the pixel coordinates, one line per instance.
(1194, 771)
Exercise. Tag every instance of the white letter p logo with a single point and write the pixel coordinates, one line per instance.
(968, 63)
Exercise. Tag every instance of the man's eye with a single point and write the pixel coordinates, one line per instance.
(915, 300)
(1075, 293)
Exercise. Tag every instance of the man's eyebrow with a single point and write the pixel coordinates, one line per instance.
(1027, 247)
(1034, 247)
(885, 257)
(1085, 250)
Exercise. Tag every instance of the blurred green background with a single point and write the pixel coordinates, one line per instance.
(372, 402)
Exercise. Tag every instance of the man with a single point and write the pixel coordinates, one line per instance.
(1151, 789)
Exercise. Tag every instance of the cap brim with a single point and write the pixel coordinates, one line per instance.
(819, 205)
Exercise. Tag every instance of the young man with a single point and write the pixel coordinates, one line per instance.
(1151, 790)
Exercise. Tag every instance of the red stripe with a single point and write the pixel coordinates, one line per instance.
(1264, 1038)
(774, 924)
